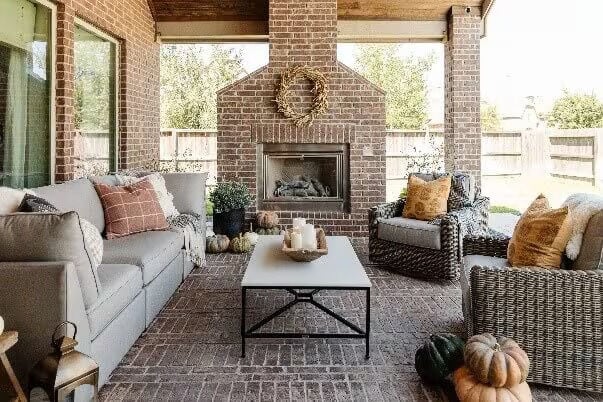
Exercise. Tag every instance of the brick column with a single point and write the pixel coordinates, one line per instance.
(462, 139)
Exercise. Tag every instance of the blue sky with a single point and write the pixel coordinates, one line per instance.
(532, 48)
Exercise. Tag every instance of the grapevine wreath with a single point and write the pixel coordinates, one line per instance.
(319, 103)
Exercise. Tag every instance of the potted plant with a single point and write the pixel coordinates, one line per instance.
(229, 199)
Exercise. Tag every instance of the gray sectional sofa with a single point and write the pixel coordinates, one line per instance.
(137, 276)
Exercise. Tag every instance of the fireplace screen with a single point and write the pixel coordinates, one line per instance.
(303, 176)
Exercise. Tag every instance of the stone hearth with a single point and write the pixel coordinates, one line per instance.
(305, 33)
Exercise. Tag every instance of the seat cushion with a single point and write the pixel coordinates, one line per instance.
(410, 231)
(151, 251)
(121, 284)
(76, 195)
(470, 261)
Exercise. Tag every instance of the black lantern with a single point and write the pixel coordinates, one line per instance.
(65, 369)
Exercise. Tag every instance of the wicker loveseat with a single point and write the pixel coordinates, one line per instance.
(556, 315)
(425, 249)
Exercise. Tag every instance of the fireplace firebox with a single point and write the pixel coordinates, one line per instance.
(303, 177)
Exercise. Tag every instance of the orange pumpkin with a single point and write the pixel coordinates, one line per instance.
(497, 362)
(267, 219)
(469, 389)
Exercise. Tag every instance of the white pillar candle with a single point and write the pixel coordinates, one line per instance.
(299, 223)
(296, 240)
(308, 237)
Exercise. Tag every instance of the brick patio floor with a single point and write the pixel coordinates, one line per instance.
(192, 349)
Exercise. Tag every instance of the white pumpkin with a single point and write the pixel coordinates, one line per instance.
(1, 325)
(252, 237)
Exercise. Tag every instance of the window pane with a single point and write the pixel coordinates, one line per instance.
(95, 117)
(24, 94)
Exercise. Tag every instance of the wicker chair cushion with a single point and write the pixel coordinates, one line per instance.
(469, 261)
(591, 252)
(411, 232)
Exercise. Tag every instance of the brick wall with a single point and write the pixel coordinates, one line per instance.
(462, 128)
(304, 32)
(131, 22)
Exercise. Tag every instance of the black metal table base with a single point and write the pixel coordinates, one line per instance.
(306, 296)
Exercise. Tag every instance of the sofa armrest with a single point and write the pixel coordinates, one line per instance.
(34, 298)
(493, 244)
(384, 211)
(188, 190)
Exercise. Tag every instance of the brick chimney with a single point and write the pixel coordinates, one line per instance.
(303, 32)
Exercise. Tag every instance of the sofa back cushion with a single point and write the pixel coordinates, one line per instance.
(188, 190)
(76, 195)
(591, 251)
(49, 237)
(540, 236)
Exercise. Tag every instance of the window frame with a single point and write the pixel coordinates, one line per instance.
(79, 22)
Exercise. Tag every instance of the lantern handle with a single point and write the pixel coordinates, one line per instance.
(63, 324)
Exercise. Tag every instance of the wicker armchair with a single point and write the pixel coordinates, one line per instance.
(555, 315)
(423, 262)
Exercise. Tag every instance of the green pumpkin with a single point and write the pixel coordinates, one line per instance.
(272, 231)
(439, 357)
(240, 245)
(217, 244)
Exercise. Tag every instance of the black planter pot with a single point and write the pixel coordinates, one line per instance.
(229, 223)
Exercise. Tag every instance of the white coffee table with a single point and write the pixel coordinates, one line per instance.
(269, 268)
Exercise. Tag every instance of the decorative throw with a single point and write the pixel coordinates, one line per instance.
(193, 228)
(10, 198)
(93, 240)
(165, 198)
(426, 200)
(130, 209)
(540, 236)
(582, 207)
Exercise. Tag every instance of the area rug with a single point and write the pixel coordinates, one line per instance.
(191, 352)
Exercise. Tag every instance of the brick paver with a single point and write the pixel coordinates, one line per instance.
(192, 349)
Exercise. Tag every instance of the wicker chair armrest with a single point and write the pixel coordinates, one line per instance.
(384, 211)
(493, 244)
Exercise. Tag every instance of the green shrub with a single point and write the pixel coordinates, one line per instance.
(501, 209)
(209, 207)
(229, 195)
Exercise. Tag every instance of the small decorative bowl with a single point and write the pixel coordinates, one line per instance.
(304, 255)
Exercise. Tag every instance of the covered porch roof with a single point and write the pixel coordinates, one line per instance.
(359, 20)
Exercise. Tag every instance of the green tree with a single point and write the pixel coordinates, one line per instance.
(490, 118)
(190, 78)
(574, 110)
(403, 79)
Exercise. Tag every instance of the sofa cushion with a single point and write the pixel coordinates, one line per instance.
(151, 251)
(410, 231)
(121, 284)
(591, 251)
(76, 195)
(50, 237)
(188, 190)
(470, 261)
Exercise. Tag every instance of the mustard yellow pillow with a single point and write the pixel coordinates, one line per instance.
(426, 200)
(540, 236)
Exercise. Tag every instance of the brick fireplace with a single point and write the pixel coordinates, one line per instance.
(330, 172)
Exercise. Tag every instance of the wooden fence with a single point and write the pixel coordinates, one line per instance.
(571, 154)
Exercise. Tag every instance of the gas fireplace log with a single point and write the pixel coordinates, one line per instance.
(301, 187)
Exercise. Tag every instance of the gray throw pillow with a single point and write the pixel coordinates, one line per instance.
(49, 237)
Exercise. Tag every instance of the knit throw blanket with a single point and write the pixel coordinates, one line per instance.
(192, 226)
(582, 207)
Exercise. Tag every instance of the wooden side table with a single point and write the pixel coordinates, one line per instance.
(8, 380)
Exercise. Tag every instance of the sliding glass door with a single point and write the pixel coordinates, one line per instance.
(95, 101)
(26, 69)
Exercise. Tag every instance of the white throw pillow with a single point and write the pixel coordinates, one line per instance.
(165, 198)
(10, 199)
(93, 242)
